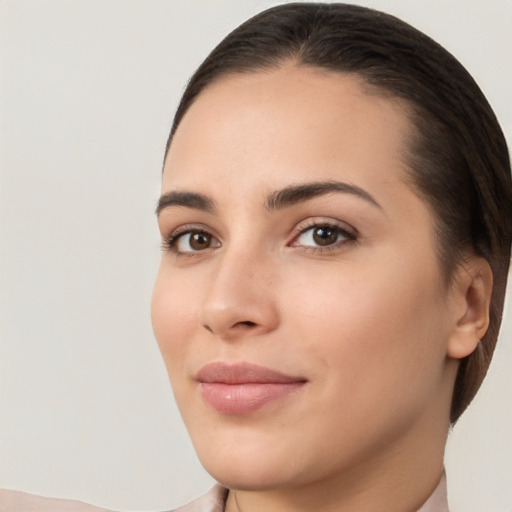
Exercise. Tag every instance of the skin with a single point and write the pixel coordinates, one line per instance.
(368, 320)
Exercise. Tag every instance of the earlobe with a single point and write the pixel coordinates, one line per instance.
(473, 286)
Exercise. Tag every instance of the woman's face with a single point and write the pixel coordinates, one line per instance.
(299, 306)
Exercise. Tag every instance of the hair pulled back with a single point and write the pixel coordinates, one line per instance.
(458, 156)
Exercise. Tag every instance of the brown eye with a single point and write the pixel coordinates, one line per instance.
(194, 241)
(325, 235)
(200, 241)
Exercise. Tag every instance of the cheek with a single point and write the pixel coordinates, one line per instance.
(372, 328)
(174, 316)
(375, 355)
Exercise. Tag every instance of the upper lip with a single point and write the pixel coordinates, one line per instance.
(243, 373)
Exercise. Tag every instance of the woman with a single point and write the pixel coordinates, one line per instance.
(336, 223)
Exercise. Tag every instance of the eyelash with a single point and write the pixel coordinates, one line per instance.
(169, 244)
(350, 237)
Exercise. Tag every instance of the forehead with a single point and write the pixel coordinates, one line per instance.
(292, 123)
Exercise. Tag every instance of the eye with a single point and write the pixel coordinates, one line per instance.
(191, 241)
(323, 235)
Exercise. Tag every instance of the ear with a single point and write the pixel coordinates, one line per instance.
(473, 287)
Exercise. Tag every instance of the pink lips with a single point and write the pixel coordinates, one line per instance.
(243, 388)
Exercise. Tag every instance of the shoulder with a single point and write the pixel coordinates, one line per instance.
(16, 501)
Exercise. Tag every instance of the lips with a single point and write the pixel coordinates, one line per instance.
(243, 388)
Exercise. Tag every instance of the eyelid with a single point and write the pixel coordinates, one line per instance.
(349, 232)
(169, 241)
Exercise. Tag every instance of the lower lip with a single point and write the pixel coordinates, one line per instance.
(245, 398)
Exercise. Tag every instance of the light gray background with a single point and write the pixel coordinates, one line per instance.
(88, 89)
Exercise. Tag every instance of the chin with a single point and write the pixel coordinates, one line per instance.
(244, 478)
(247, 468)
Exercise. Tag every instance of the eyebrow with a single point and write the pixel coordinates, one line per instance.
(298, 193)
(187, 199)
(277, 200)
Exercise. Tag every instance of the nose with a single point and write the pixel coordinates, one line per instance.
(240, 300)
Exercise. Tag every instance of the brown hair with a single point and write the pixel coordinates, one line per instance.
(458, 154)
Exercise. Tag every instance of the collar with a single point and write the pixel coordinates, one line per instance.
(438, 500)
(215, 500)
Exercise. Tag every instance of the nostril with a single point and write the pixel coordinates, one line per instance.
(247, 323)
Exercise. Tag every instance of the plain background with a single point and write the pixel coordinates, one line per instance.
(88, 90)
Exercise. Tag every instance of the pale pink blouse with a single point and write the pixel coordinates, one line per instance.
(215, 500)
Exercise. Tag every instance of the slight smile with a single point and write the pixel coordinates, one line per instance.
(243, 388)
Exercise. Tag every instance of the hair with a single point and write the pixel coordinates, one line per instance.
(457, 155)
